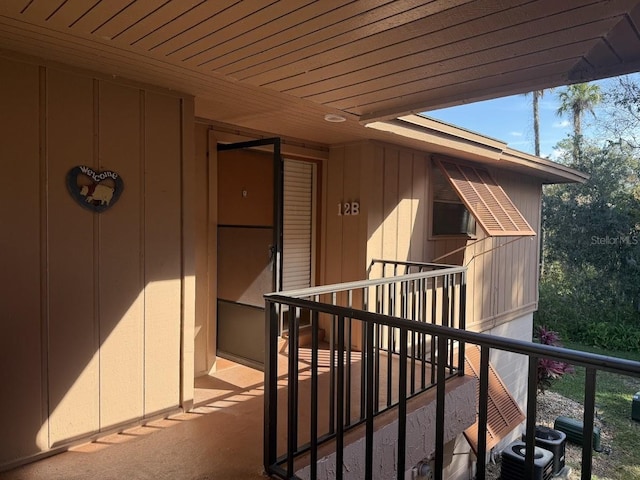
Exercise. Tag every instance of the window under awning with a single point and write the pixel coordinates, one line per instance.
(485, 199)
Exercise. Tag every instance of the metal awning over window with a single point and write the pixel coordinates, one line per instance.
(485, 199)
(503, 412)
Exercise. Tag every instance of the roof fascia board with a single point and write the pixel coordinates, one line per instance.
(562, 173)
(452, 130)
(449, 143)
(463, 143)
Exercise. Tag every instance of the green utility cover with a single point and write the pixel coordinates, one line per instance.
(574, 430)
(635, 407)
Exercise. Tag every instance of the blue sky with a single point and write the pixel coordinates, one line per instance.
(510, 119)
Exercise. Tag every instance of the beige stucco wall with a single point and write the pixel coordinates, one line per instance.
(94, 305)
(510, 368)
(460, 404)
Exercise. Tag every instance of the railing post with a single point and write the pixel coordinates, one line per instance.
(588, 418)
(370, 400)
(483, 412)
(347, 345)
(440, 396)
(434, 321)
(530, 436)
(332, 374)
(314, 396)
(402, 405)
(340, 407)
(363, 336)
(463, 321)
(271, 387)
(292, 391)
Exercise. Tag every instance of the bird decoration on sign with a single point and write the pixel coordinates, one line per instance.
(95, 191)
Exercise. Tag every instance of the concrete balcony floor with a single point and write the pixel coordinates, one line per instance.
(220, 438)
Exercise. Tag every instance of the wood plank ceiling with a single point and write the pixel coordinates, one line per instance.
(260, 63)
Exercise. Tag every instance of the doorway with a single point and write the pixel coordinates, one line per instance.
(249, 238)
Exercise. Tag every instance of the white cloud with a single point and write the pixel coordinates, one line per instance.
(515, 134)
(561, 124)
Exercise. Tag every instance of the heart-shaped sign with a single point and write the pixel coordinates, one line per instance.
(96, 191)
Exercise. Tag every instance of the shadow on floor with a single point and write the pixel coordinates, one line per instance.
(220, 439)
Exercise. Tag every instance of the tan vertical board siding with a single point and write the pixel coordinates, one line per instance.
(73, 324)
(334, 223)
(419, 208)
(351, 267)
(390, 205)
(503, 280)
(374, 165)
(486, 277)
(526, 193)
(24, 427)
(121, 285)
(405, 194)
(202, 273)
(162, 252)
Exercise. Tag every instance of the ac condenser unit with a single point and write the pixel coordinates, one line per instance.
(513, 462)
(553, 440)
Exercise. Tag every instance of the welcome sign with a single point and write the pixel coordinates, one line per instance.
(95, 191)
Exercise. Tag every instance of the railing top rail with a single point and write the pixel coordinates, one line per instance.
(413, 264)
(341, 287)
(586, 359)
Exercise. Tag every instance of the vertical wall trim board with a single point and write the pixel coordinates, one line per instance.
(143, 217)
(188, 247)
(44, 258)
(412, 198)
(182, 258)
(384, 200)
(212, 246)
(96, 241)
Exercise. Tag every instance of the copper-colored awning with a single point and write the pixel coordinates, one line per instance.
(485, 199)
(503, 412)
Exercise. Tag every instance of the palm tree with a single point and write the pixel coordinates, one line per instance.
(536, 97)
(576, 100)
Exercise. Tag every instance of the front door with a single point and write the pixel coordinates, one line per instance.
(249, 245)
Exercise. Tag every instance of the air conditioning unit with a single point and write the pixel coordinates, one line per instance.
(513, 462)
(553, 440)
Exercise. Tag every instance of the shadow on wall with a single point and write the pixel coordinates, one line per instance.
(92, 303)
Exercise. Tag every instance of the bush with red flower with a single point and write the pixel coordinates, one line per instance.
(550, 370)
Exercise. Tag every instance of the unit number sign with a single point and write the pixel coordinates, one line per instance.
(348, 208)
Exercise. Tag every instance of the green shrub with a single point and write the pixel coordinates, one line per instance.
(582, 308)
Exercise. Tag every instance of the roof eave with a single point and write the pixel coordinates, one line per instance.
(451, 140)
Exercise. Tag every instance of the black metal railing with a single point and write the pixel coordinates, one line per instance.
(393, 321)
(363, 368)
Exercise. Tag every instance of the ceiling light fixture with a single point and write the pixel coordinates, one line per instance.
(334, 118)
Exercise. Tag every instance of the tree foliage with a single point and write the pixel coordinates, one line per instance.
(621, 113)
(577, 100)
(592, 247)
